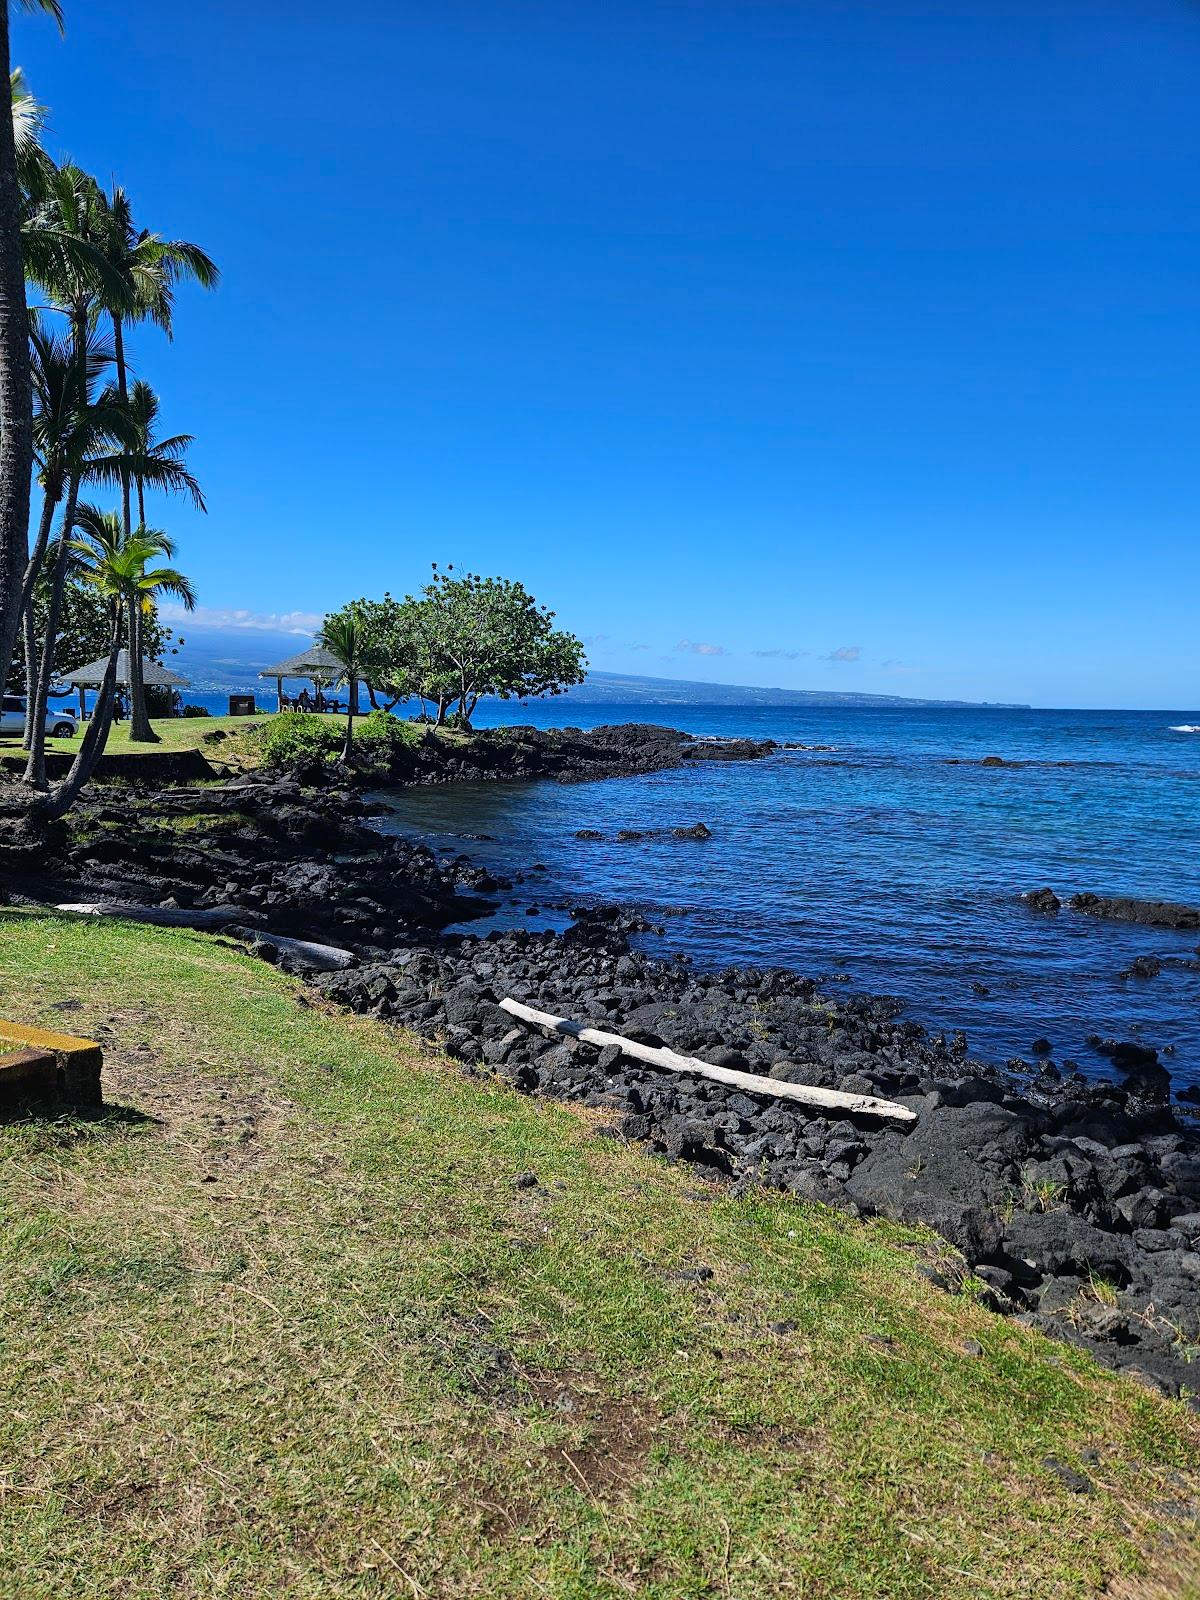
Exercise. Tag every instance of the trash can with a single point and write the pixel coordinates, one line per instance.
(241, 705)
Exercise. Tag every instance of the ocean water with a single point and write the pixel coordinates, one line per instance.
(890, 860)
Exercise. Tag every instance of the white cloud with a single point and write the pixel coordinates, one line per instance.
(299, 622)
(700, 649)
(784, 655)
(845, 652)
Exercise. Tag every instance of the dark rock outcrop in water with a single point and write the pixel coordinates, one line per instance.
(1075, 1204)
(1042, 900)
(567, 754)
(1152, 913)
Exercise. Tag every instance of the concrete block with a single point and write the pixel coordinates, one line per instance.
(28, 1075)
(78, 1062)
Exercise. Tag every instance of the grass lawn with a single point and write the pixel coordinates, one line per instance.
(175, 733)
(283, 1323)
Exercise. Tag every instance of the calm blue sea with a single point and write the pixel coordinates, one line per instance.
(882, 860)
(892, 858)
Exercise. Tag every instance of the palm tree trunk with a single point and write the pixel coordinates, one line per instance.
(351, 712)
(35, 711)
(31, 661)
(16, 396)
(49, 503)
(64, 795)
(140, 730)
(37, 554)
(123, 390)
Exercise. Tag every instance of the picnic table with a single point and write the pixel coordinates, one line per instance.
(309, 704)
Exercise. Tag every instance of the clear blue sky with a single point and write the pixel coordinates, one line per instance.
(839, 343)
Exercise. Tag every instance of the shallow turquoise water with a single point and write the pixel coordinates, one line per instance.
(893, 858)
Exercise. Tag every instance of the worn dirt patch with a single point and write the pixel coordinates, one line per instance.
(227, 1120)
(611, 1440)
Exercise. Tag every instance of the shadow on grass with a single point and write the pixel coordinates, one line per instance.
(63, 1128)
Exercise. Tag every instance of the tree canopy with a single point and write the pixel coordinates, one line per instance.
(461, 638)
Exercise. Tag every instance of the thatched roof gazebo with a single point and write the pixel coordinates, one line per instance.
(316, 663)
(91, 676)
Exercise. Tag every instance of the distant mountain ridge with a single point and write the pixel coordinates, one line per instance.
(225, 660)
(619, 688)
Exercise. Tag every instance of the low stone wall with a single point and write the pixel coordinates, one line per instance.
(154, 766)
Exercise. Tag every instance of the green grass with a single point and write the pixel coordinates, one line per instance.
(174, 733)
(193, 733)
(282, 1324)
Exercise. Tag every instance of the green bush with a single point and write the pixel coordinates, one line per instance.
(380, 734)
(297, 739)
(195, 711)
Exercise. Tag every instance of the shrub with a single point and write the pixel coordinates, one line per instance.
(296, 739)
(380, 734)
(195, 711)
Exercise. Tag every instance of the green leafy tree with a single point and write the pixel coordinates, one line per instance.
(462, 638)
(388, 668)
(492, 637)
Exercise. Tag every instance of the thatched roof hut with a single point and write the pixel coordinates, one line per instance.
(317, 663)
(91, 676)
(154, 674)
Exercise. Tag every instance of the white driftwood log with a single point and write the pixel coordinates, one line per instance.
(200, 918)
(226, 919)
(833, 1100)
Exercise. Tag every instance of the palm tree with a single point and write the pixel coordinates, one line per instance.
(76, 447)
(64, 437)
(150, 266)
(348, 639)
(16, 406)
(63, 232)
(117, 566)
(161, 463)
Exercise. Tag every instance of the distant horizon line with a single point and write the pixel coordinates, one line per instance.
(228, 669)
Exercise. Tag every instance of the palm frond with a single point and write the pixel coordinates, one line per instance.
(167, 580)
(52, 8)
(34, 166)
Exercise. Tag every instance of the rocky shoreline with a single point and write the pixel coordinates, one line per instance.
(1069, 1203)
(569, 755)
